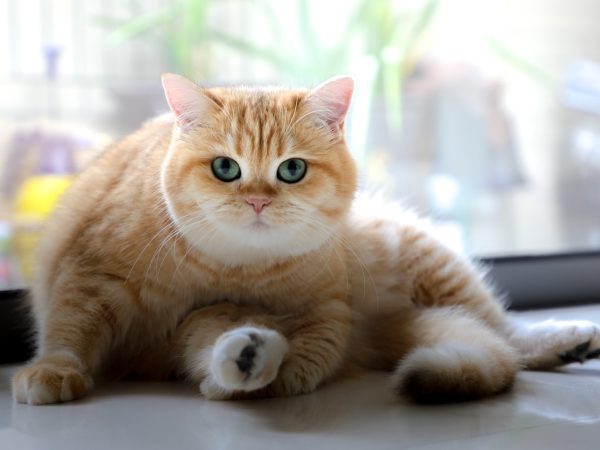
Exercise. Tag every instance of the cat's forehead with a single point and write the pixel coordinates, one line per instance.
(251, 99)
(261, 125)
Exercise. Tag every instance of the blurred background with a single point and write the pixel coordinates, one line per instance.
(483, 114)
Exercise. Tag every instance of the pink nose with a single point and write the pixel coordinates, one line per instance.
(258, 203)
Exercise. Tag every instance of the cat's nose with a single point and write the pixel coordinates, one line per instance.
(258, 203)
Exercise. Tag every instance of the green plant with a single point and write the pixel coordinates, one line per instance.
(386, 34)
(181, 26)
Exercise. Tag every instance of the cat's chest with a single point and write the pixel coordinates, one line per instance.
(289, 282)
(242, 285)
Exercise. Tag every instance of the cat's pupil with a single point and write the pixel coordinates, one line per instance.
(292, 167)
(225, 166)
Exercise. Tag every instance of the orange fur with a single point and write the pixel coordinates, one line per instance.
(151, 266)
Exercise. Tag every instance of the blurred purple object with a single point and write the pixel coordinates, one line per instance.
(51, 54)
(39, 152)
(56, 155)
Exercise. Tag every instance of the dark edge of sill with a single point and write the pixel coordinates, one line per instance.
(528, 282)
(15, 327)
(545, 281)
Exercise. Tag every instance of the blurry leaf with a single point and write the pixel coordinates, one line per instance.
(108, 22)
(307, 34)
(189, 33)
(194, 19)
(419, 24)
(507, 55)
(274, 25)
(354, 24)
(143, 24)
(268, 55)
(395, 54)
(392, 82)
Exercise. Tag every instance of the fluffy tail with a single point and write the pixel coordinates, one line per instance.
(458, 357)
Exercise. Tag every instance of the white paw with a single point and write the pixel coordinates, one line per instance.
(244, 359)
(556, 342)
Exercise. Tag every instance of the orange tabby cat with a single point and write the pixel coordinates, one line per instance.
(223, 243)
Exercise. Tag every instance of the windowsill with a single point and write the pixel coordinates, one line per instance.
(542, 410)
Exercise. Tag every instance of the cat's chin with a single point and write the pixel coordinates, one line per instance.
(255, 242)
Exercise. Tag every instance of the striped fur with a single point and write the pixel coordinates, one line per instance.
(151, 267)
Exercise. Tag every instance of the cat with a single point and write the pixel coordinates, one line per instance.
(225, 243)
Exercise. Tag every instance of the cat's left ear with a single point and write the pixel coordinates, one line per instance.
(331, 100)
(186, 99)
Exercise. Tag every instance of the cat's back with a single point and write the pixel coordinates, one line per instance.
(98, 211)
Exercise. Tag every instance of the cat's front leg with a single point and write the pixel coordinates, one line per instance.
(82, 319)
(229, 349)
(244, 359)
(237, 352)
(318, 344)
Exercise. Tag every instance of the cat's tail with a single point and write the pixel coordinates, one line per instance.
(457, 357)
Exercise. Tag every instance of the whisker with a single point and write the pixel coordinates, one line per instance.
(347, 245)
(174, 235)
(158, 233)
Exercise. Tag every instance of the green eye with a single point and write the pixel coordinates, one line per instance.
(292, 170)
(226, 169)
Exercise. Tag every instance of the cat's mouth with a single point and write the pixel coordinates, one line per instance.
(259, 224)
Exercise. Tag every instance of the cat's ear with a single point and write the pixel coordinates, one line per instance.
(186, 99)
(331, 100)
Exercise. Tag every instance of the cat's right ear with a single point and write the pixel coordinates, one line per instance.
(186, 99)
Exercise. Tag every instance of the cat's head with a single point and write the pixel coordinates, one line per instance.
(254, 173)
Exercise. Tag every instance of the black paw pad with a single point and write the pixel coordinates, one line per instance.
(579, 354)
(593, 354)
(245, 361)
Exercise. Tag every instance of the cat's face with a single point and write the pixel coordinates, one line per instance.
(255, 173)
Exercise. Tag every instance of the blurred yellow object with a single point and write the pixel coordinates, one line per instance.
(34, 201)
(24, 244)
(38, 195)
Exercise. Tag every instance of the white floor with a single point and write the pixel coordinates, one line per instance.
(544, 411)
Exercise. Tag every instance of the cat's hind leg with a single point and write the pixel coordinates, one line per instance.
(553, 343)
(455, 357)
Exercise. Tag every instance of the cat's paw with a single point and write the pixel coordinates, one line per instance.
(294, 379)
(244, 359)
(556, 342)
(44, 383)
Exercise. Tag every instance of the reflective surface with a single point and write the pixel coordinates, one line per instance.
(544, 410)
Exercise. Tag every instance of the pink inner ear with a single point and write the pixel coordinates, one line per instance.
(331, 100)
(185, 99)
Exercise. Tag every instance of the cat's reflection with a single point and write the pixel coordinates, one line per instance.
(362, 402)
(557, 398)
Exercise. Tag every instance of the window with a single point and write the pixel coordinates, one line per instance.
(483, 114)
